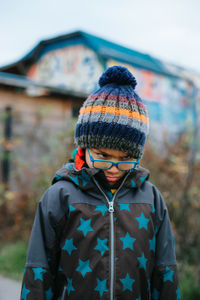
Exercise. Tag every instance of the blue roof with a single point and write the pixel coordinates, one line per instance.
(104, 48)
(107, 49)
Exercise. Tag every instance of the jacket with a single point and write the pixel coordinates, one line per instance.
(87, 243)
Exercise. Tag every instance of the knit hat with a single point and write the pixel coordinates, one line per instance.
(114, 116)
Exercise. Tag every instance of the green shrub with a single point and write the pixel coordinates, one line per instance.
(12, 259)
(189, 286)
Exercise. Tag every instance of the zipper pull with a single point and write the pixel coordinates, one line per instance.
(111, 208)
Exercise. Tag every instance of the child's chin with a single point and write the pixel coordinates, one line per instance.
(112, 183)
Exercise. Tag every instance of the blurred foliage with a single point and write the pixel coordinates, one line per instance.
(12, 259)
(39, 152)
(177, 177)
(176, 174)
(36, 154)
(189, 285)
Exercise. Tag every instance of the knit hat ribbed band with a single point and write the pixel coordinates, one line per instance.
(114, 116)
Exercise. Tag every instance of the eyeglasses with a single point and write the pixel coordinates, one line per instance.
(106, 164)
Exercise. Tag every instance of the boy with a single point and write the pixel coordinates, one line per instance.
(101, 230)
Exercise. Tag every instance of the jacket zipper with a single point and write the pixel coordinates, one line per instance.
(111, 211)
(63, 293)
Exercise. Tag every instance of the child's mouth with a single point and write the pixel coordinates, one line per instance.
(112, 179)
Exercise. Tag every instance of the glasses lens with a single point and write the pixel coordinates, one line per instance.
(102, 165)
(127, 166)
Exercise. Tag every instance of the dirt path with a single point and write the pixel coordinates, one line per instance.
(9, 289)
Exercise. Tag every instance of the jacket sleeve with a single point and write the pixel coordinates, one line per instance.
(164, 282)
(39, 280)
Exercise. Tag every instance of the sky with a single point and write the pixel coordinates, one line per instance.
(166, 29)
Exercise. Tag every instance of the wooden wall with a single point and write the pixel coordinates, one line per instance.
(42, 127)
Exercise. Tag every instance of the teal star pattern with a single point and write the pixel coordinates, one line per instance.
(127, 283)
(143, 222)
(168, 275)
(101, 287)
(69, 167)
(124, 206)
(38, 273)
(69, 246)
(142, 260)
(127, 241)
(25, 292)
(70, 287)
(102, 208)
(84, 267)
(149, 284)
(133, 184)
(178, 296)
(71, 208)
(155, 294)
(109, 194)
(85, 226)
(101, 246)
(58, 176)
(152, 244)
(142, 179)
(49, 294)
(156, 229)
(74, 179)
(85, 179)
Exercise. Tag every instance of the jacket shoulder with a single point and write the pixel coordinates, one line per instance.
(54, 202)
(156, 199)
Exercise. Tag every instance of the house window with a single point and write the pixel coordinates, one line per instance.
(6, 145)
(75, 111)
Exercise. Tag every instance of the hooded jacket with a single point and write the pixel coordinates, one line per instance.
(87, 243)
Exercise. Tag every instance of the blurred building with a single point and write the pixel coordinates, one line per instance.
(58, 74)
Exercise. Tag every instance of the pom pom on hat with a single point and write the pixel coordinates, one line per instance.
(119, 75)
(114, 116)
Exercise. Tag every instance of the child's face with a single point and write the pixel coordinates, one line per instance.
(113, 174)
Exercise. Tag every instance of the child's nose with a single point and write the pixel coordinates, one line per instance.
(113, 169)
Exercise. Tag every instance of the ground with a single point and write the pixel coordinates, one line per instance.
(9, 289)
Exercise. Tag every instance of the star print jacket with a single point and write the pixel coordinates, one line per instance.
(87, 243)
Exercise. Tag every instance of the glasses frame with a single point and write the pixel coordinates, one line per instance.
(136, 163)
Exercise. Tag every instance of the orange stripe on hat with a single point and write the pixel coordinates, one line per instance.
(113, 110)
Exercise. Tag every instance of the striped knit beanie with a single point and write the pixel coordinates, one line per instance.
(114, 116)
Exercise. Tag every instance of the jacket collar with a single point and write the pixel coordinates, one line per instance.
(84, 178)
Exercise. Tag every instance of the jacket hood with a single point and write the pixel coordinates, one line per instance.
(84, 178)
